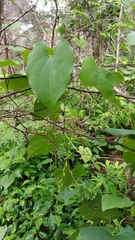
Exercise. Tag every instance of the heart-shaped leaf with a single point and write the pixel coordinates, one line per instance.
(49, 71)
(100, 78)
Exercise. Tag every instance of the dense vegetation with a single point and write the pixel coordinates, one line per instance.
(67, 142)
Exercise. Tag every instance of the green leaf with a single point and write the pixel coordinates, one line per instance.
(81, 43)
(64, 177)
(6, 63)
(42, 235)
(116, 132)
(86, 153)
(62, 29)
(95, 214)
(67, 194)
(129, 157)
(49, 74)
(16, 49)
(129, 141)
(100, 78)
(41, 111)
(25, 54)
(131, 38)
(102, 233)
(112, 201)
(40, 144)
(2, 232)
(15, 82)
(57, 220)
(7, 180)
(38, 222)
(15, 25)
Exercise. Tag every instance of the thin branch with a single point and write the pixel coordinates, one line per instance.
(90, 91)
(55, 21)
(19, 18)
(13, 93)
(72, 88)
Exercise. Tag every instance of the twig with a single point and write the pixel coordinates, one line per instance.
(90, 91)
(13, 93)
(55, 21)
(19, 18)
(72, 88)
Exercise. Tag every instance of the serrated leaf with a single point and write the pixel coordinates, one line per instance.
(99, 233)
(116, 132)
(131, 38)
(40, 144)
(112, 201)
(49, 73)
(100, 78)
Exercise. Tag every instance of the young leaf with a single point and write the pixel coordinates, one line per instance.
(100, 78)
(112, 201)
(49, 71)
(86, 153)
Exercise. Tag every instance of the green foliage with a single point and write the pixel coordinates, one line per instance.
(5, 63)
(61, 173)
(131, 38)
(100, 78)
(15, 82)
(97, 233)
(42, 144)
(48, 66)
(111, 201)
